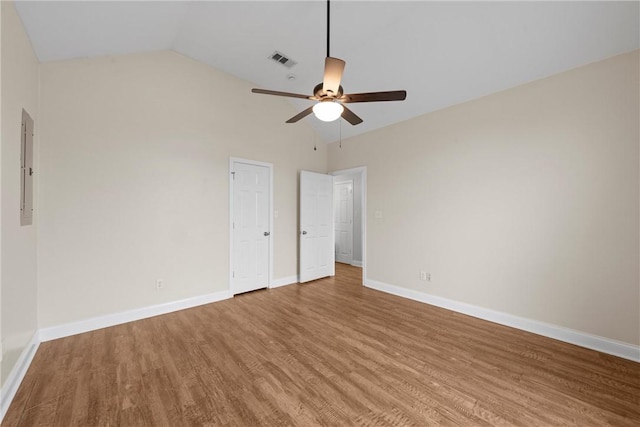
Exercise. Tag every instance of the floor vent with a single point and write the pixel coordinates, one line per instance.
(282, 59)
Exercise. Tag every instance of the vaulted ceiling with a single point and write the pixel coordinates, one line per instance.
(442, 53)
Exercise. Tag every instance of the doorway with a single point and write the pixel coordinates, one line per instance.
(358, 176)
(343, 220)
(251, 222)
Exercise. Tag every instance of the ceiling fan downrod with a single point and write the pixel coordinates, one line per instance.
(328, 24)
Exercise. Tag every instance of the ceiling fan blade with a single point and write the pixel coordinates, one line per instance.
(300, 115)
(333, 68)
(275, 92)
(394, 95)
(351, 117)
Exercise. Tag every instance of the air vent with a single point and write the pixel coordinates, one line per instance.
(281, 58)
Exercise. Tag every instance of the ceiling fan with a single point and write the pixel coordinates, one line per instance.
(330, 95)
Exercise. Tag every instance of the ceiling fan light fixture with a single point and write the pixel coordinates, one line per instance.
(328, 111)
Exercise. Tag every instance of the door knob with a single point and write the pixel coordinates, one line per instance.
(266, 233)
(304, 232)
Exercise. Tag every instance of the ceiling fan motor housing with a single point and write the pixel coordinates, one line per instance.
(321, 94)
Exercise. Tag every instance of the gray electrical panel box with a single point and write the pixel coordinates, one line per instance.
(26, 170)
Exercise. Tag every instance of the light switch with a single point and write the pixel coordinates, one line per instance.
(377, 215)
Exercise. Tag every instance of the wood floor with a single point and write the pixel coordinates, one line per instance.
(329, 353)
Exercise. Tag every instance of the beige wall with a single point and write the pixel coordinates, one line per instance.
(19, 257)
(135, 177)
(1, 139)
(525, 201)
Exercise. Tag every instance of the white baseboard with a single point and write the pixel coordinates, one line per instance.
(356, 263)
(10, 387)
(594, 342)
(284, 281)
(61, 331)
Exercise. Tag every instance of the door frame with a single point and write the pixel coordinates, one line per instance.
(232, 161)
(349, 181)
(362, 171)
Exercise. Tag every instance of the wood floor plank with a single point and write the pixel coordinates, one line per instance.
(329, 352)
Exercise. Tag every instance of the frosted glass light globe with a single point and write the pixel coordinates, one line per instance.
(328, 111)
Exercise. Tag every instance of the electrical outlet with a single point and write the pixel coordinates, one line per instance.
(425, 276)
(159, 284)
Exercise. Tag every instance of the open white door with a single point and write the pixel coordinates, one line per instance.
(317, 250)
(250, 226)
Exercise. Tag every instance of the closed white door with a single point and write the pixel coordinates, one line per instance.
(250, 227)
(316, 226)
(343, 220)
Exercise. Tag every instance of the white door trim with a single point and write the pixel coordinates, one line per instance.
(362, 170)
(233, 160)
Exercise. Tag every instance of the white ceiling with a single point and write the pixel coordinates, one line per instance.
(442, 53)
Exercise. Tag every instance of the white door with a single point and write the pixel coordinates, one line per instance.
(250, 226)
(343, 220)
(316, 226)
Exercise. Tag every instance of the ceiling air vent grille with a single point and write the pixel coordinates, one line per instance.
(281, 58)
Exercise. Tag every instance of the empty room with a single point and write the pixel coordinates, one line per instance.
(314, 213)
